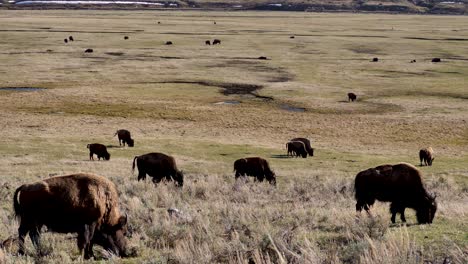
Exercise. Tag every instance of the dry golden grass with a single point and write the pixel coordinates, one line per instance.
(166, 96)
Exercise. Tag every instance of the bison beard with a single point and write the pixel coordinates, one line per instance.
(400, 184)
(86, 204)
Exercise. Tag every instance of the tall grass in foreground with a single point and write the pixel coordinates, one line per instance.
(310, 220)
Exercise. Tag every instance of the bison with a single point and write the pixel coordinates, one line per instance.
(375, 59)
(207, 42)
(65, 40)
(426, 155)
(82, 203)
(436, 60)
(296, 147)
(168, 42)
(306, 142)
(89, 51)
(71, 38)
(352, 97)
(400, 184)
(216, 41)
(124, 137)
(159, 166)
(98, 149)
(126, 37)
(256, 167)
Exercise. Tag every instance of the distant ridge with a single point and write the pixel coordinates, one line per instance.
(455, 7)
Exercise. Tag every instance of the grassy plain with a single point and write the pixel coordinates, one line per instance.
(167, 97)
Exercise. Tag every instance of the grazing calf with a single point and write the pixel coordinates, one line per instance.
(159, 166)
(256, 167)
(352, 97)
(296, 147)
(426, 155)
(306, 142)
(216, 42)
(86, 204)
(100, 151)
(124, 137)
(400, 184)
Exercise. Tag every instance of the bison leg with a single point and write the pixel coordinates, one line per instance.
(91, 156)
(85, 240)
(397, 208)
(141, 175)
(22, 232)
(402, 215)
(35, 236)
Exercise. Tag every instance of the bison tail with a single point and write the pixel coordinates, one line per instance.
(16, 204)
(133, 165)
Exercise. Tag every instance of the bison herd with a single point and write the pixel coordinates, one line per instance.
(88, 204)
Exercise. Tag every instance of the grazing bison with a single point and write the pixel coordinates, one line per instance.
(65, 40)
(296, 147)
(71, 38)
(126, 37)
(98, 149)
(436, 60)
(306, 142)
(413, 61)
(400, 184)
(89, 51)
(291, 37)
(124, 137)
(255, 167)
(159, 166)
(216, 41)
(168, 42)
(352, 97)
(262, 58)
(426, 155)
(375, 59)
(86, 204)
(207, 42)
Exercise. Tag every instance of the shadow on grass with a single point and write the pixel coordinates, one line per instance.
(280, 156)
(113, 146)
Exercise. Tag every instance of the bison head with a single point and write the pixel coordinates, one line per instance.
(425, 214)
(112, 238)
(131, 142)
(179, 178)
(311, 152)
(107, 156)
(271, 178)
(429, 162)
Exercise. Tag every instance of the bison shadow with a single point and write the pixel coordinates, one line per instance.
(280, 156)
(114, 146)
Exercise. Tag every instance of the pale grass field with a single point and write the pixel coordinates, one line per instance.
(310, 216)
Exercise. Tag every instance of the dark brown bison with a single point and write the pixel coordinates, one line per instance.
(216, 41)
(413, 61)
(65, 40)
(89, 51)
(168, 42)
(306, 142)
(256, 167)
(436, 60)
(126, 37)
(291, 37)
(98, 149)
(124, 137)
(159, 166)
(375, 59)
(86, 204)
(426, 155)
(352, 97)
(207, 42)
(400, 184)
(262, 58)
(71, 38)
(296, 147)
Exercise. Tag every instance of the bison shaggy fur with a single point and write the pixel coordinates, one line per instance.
(99, 149)
(256, 167)
(85, 204)
(400, 184)
(159, 166)
(426, 155)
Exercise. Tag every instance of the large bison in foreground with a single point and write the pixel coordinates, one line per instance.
(159, 166)
(400, 184)
(86, 204)
(255, 167)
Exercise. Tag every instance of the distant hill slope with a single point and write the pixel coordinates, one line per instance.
(394, 6)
